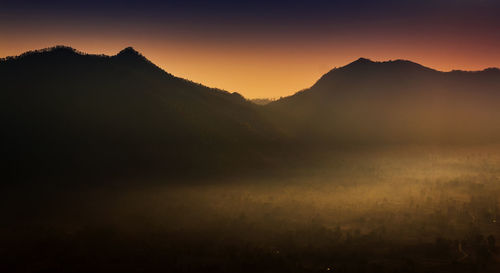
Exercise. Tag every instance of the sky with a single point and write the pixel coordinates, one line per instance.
(261, 49)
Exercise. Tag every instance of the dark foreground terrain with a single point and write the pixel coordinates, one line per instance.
(418, 209)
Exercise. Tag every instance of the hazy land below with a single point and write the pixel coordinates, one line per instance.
(386, 209)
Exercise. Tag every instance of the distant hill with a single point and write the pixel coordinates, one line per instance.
(63, 110)
(394, 101)
(262, 101)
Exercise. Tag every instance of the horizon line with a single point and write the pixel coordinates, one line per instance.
(139, 53)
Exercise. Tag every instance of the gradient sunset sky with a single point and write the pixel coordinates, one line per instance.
(261, 48)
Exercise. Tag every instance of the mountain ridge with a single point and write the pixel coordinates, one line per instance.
(131, 53)
(393, 101)
(398, 66)
(79, 112)
(106, 113)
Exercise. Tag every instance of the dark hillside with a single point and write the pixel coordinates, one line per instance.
(65, 111)
(393, 102)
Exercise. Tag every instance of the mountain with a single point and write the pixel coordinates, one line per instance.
(64, 111)
(394, 101)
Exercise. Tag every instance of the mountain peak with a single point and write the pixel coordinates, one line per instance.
(129, 54)
(363, 61)
(392, 65)
(129, 51)
(61, 48)
(363, 68)
(360, 63)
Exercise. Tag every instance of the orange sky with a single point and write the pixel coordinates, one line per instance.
(255, 63)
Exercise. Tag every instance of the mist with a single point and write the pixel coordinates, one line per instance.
(391, 209)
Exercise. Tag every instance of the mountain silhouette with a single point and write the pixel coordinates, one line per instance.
(393, 101)
(66, 110)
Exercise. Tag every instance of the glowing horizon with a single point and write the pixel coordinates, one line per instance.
(259, 50)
